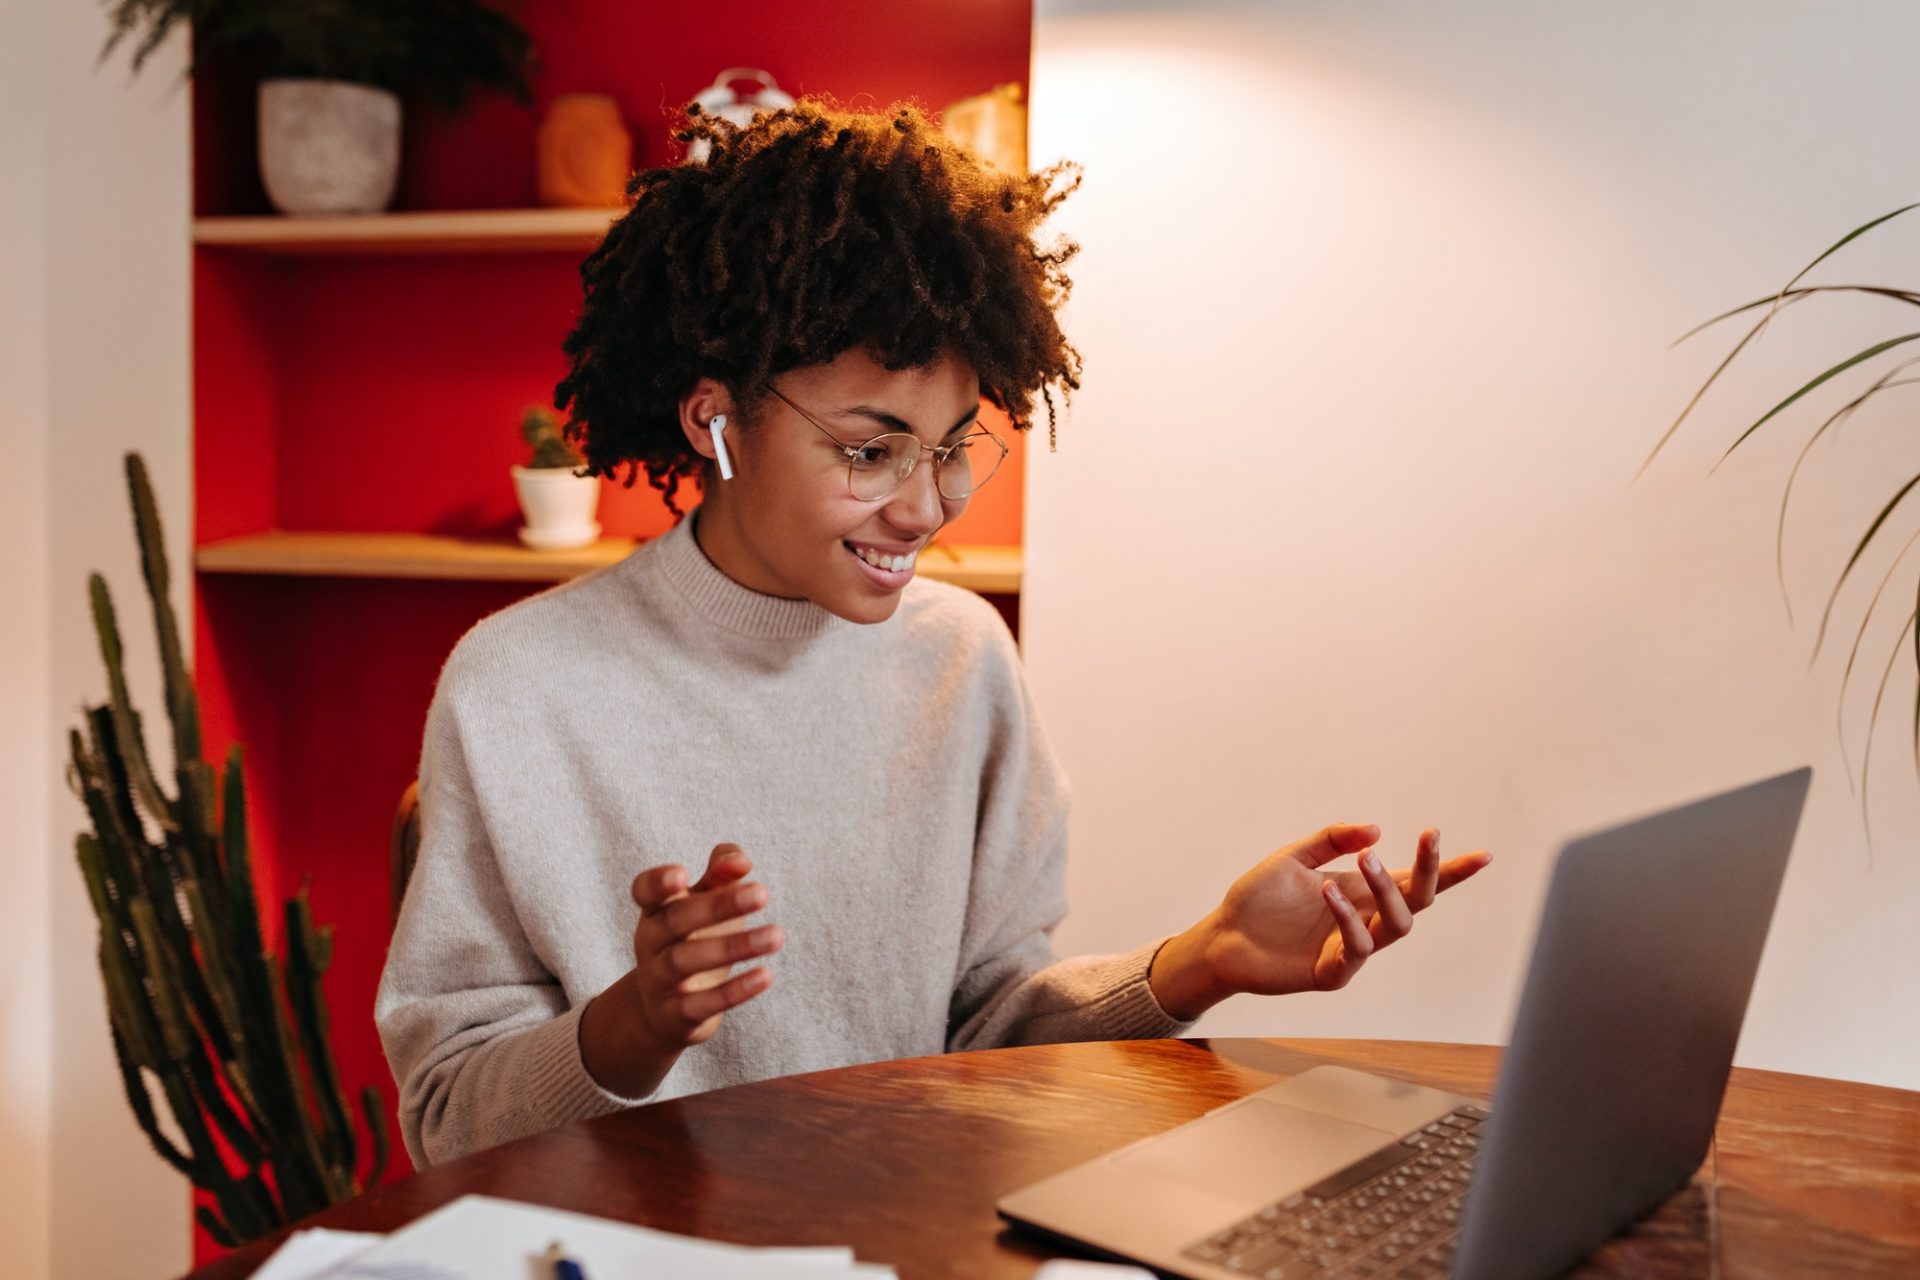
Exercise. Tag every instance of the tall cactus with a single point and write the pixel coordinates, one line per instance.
(232, 1039)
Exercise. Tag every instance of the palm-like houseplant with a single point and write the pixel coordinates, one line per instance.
(331, 73)
(439, 48)
(1794, 292)
(233, 1037)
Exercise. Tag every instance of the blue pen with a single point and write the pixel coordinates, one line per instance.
(564, 1268)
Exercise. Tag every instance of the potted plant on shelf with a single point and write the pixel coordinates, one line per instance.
(1794, 292)
(331, 73)
(558, 501)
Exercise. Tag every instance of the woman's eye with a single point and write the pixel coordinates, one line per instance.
(872, 455)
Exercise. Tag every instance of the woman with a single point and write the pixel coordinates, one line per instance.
(805, 325)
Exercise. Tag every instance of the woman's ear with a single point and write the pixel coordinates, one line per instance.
(705, 414)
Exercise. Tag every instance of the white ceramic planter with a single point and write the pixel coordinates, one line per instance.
(328, 146)
(559, 507)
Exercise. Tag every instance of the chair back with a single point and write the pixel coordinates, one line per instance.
(403, 848)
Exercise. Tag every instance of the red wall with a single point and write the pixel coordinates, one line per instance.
(381, 393)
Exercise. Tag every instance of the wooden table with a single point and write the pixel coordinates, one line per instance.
(904, 1160)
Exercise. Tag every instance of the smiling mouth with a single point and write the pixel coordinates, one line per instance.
(882, 561)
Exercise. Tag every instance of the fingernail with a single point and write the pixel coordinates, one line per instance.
(1370, 862)
(1436, 839)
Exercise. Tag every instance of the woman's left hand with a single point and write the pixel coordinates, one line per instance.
(1287, 926)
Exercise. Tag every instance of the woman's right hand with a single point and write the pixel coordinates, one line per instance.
(684, 947)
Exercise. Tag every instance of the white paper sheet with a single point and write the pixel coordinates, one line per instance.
(482, 1238)
(1080, 1269)
(314, 1252)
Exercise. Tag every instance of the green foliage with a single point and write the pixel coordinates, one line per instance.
(201, 1011)
(1789, 294)
(540, 429)
(439, 48)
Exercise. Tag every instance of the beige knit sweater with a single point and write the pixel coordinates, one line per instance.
(890, 783)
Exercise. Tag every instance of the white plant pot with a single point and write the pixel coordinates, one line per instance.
(559, 507)
(328, 146)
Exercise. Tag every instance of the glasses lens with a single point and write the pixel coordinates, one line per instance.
(970, 464)
(878, 467)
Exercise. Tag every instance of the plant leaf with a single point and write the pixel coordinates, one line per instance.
(1840, 415)
(1908, 296)
(1916, 690)
(1842, 367)
(1855, 559)
(1866, 759)
(1840, 716)
(1837, 245)
(1795, 295)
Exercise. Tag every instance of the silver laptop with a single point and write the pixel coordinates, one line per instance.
(1607, 1097)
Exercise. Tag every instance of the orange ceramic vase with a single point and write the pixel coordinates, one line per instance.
(585, 152)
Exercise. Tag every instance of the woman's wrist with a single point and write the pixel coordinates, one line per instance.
(1181, 977)
(614, 1045)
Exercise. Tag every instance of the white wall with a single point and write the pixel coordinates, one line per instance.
(94, 245)
(1376, 302)
(26, 1007)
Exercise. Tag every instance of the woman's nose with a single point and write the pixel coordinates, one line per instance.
(916, 506)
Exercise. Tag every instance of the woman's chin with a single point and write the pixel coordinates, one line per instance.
(862, 606)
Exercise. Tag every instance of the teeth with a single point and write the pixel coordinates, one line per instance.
(879, 561)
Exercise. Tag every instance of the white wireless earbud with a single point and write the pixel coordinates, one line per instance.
(718, 425)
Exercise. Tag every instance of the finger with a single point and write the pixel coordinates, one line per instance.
(1356, 944)
(1355, 887)
(1393, 918)
(726, 864)
(696, 957)
(701, 910)
(1446, 874)
(1424, 882)
(1454, 870)
(1331, 842)
(657, 886)
(701, 1005)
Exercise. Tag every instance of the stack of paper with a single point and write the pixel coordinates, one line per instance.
(481, 1238)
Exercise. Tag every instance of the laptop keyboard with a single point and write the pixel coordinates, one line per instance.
(1391, 1214)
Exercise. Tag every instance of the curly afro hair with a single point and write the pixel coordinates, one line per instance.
(804, 235)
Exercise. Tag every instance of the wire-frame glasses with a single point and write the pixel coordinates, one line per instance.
(877, 467)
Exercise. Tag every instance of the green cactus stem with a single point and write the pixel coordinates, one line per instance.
(206, 1021)
(541, 432)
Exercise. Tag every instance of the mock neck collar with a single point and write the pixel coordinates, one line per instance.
(725, 603)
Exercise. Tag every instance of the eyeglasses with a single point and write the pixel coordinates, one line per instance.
(878, 466)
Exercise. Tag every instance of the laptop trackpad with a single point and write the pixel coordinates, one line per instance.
(1258, 1151)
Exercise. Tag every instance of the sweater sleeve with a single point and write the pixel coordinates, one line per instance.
(482, 1042)
(1010, 989)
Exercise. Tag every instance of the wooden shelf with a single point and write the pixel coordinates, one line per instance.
(420, 555)
(474, 231)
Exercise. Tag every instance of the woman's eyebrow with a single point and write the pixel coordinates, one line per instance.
(893, 422)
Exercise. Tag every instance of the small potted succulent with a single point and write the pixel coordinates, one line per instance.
(557, 500)
(330, 76)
